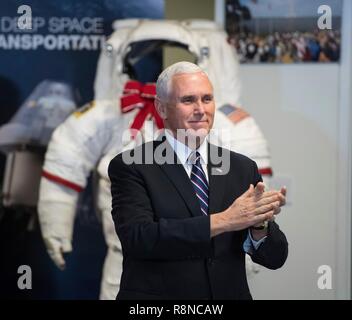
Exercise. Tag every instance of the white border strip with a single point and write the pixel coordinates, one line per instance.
(344, 183)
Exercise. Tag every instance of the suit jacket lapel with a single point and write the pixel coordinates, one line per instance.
(217, 179)
(177, 175)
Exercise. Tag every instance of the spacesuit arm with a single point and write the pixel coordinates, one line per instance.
(73, 152)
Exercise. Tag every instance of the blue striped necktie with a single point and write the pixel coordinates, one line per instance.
(200, 184)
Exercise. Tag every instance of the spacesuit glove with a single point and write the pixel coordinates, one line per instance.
(56, 247)
(56, 211)
(56, 222)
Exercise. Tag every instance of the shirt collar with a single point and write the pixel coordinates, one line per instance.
(183, 152)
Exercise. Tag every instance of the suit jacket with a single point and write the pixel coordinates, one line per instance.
(167, 249)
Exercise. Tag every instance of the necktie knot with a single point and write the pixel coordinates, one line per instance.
(194, 158)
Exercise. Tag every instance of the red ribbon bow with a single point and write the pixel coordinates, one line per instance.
(139, 95)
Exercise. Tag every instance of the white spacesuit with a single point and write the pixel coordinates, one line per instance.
(94, 134)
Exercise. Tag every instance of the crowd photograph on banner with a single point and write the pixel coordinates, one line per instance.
(284, 31)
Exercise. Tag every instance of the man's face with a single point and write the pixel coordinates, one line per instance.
(190, 105)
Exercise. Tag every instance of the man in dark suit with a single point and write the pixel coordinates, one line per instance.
(185, 219)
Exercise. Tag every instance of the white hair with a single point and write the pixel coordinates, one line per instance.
(163, 83)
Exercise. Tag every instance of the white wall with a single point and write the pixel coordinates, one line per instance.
(297, 107)
(305, 113)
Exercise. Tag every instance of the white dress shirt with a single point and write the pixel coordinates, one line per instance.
(183, 153)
